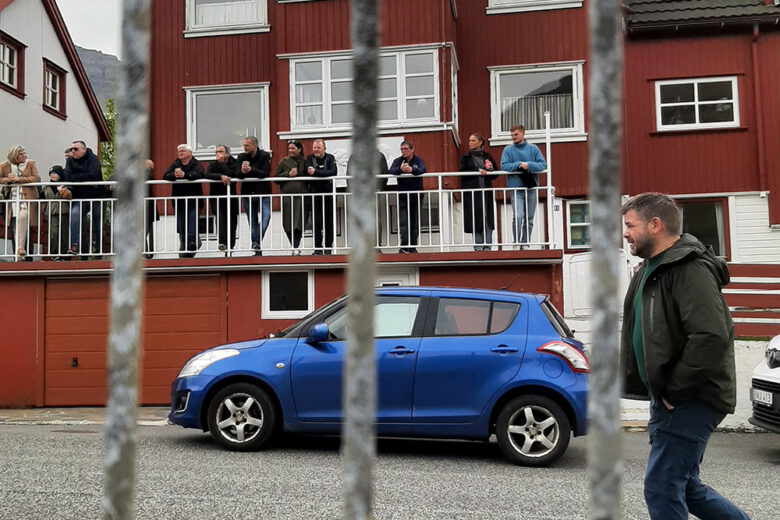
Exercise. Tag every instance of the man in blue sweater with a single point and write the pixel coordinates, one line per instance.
(526, 159)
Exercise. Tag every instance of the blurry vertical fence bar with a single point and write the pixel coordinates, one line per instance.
(358, 434)
(127, 280)
(606, 85)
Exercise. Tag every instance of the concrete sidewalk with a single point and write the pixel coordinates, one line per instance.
(147, 415)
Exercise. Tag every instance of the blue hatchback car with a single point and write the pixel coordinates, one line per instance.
(452, 363)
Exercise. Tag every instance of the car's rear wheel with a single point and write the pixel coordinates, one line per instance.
(241, 417)
(533, 430)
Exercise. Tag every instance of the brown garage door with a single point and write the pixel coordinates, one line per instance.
(182, 315)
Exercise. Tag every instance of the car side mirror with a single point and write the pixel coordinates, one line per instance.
(317, 333)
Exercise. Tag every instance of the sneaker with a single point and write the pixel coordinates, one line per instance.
(258, 252)
(74, 249)
(256, 246)
(318, 252)
(222, 247)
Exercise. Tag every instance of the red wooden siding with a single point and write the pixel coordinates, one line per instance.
(693, 161)
(768, 47)
(535, 37)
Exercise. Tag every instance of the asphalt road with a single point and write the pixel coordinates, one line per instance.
(55, 472)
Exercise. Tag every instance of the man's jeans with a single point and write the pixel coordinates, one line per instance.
(523, 207)
(251, 205)
(186, 213)
(677, 442)
(78, 220)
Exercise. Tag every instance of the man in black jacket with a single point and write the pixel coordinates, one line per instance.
(181, 171)
(322, 165)
(408, 167)
(255, 163)
(223, 169)
(84, 166)
(677, 350)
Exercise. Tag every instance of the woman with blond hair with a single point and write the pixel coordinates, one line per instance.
(18, 169)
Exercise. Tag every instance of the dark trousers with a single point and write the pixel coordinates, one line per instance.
(226, 212)
(409, 218)
(678, 439)
(150, 217)
(186, 211)
(322, 220)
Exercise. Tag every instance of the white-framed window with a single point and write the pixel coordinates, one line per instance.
(520, 95)
(694, 104)
(517, 6)
(578, 224)
(225, 115)
(53, 88)
(287, 294)
(321, 90)
(219, 17)
(7, 64)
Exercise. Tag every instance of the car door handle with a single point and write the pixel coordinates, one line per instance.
(503, 349)
(400, 349)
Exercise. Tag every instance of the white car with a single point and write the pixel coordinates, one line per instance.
(765, 389)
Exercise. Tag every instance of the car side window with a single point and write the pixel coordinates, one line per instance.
(459, 317)
(503, 315)
(393, 317)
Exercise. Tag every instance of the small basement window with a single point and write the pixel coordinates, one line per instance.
(287, 294)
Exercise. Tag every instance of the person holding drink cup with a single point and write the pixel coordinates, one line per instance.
(292, 192)
(477, 194)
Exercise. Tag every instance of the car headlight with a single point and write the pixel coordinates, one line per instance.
(197, 364)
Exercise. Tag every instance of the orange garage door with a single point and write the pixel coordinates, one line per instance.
(182, 316)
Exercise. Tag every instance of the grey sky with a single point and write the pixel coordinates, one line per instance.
(93, 24)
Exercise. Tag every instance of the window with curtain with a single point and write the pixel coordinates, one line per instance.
(210, 16)
(694, 104)
(522, 95)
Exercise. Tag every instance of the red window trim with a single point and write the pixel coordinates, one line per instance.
(61, 112)
(17, 91)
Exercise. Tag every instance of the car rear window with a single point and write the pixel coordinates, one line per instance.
(556, 320)
(463, 317)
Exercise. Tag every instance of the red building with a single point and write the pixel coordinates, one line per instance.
(700, 116)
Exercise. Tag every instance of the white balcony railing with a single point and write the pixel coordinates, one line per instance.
(444, 216)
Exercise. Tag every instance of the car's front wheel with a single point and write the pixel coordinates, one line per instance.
(533, 430)
(241, 417)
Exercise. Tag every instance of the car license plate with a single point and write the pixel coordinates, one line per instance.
(761, 396)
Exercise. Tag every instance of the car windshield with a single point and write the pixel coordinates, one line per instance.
(294, 329)
(556, 320)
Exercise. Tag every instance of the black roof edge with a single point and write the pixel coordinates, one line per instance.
(723, 22)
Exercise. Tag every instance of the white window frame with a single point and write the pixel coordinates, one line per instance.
(52, 95)
(574, 133)
(519, 6)
(401, 97)
(194, 30)
(9, 70)
(661, 127)
(192, 93)
(570, 224)
(267, 313)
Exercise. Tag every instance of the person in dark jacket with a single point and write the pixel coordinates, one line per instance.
(84, 166)
(321, 165)
(58, 212)
(382, 202)
(181, 171)
(478, 204)
(293, 218)
(255, 163)
(677, 350)
(409, 167)
(223, 169)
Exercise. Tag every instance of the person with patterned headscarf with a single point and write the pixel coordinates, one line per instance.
(17, 170)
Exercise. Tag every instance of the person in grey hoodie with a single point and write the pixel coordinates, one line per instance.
(526, 159)
(677, 350)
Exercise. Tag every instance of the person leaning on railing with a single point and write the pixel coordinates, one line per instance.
(321, 165)
(84, 166)
(252, 165)
(293, 192)
(58, 213)
(222, 169)
(185, 168)
(408, 167)
(478, 204)
(13, 172)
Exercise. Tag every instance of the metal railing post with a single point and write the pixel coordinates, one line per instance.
(605, 463)
(127, 277)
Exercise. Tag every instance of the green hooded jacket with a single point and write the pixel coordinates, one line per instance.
(687, 330)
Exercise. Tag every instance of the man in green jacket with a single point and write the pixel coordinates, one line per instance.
(677, 350)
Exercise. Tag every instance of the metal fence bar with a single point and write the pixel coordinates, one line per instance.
(127, 277)
(360, 395)
(605, 462)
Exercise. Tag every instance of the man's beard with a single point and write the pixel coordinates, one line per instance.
(643, 247)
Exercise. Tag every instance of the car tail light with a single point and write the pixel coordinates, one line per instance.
(574, 357)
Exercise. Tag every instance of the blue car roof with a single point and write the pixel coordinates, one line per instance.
(457, 291)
